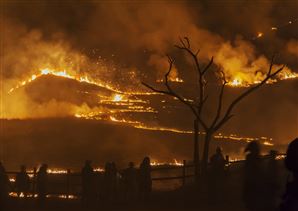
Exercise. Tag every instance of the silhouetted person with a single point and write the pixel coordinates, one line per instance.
(114, 180)
(22, 182)
(110, 181)
(87, 183)
(41, 183)
(217, 174)
(253, 186)
(290, 198)
(145, 181)
(130, 181)
(4, 183)
(271, 182)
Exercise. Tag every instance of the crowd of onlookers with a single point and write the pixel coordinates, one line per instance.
(111, 185)
(260, 182)
(127, 185)
(261, 179)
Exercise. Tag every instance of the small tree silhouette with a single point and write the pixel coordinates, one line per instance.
(196, 106)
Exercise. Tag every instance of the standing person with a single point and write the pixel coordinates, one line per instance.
(108, 181)
(114, 181)
(252, 188)
(42, 180)
(22, 182)
(217, 174)
(130, 182)
(145, 181)
(290, 198)
(87, 183)
(271, 182)
(4, 183)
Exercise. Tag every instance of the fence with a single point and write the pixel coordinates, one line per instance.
(68, 184)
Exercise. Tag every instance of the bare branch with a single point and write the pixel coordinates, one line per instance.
(156, 90)
(208, 66)
(228, 115)
(220, 99)
(172, 93)
(190, 52)
(188, 43)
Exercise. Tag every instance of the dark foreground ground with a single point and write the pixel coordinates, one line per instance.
(186, 197)
(177, 200)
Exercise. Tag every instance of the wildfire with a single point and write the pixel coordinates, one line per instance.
(57, 171)
(79, 78)
(157, 163)
(235, 82)
(61, 196)
(171, 79)
(117, 98)
(139, 125)
(63, 74)
(283, 75)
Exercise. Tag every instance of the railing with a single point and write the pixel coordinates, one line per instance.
(71, 181)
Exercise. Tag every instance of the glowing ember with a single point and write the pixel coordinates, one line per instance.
(260, 34)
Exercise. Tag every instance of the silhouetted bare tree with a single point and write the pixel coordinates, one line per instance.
(196, 106)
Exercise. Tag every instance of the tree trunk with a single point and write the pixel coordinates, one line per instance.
(196, 157)
(208, 136)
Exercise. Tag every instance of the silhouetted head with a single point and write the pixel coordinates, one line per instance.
(272, 154)
(45, 166)
(131, 164)
(2, 169)
(107, 166)
(218, 150)
(291, 160)
(88, 163)
(113, 165)
(23, 168)
(146, 161)
(253, 147)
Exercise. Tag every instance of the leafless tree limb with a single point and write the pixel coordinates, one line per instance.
(228, 115)
(220, 99)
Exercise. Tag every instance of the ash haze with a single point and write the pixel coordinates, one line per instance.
(121, 43)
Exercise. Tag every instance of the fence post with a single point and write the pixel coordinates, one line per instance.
(34, 182)
(183, 172)
(68, 182)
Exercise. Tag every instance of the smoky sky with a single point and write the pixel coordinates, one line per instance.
(131, 39)
(132, 31)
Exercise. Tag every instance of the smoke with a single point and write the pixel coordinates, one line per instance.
(123, 43)
(292, 47)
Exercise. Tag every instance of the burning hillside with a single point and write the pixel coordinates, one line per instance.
(88, 67)
(93, 101)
